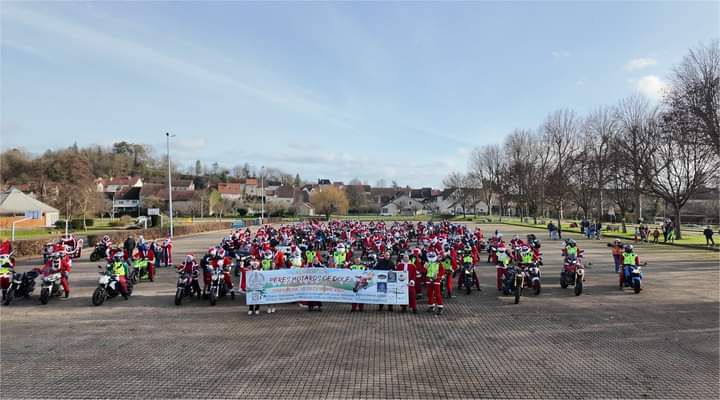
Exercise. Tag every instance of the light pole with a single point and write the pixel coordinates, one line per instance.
(262, 194)
(170, 210)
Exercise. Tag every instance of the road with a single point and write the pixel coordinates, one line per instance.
(661, 343)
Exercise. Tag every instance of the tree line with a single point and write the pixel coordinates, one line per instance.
(610, 157)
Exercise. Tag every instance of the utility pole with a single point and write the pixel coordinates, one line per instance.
(170, 210)
(262, 194)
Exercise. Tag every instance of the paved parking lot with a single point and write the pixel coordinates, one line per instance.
(662, 343)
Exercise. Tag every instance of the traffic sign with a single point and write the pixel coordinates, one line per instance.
(153, 211)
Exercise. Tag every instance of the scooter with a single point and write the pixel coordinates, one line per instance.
(632, 275)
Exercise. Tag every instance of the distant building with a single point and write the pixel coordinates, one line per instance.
(14, 204)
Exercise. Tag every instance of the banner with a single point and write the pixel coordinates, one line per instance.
(327, 284)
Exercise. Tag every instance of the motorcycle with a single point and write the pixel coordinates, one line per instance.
(140, 271)
(573, 273)
(632, 275)
(50, 285)
(468, 271)
(513, 282)
(99, 252)
(108, 287)
(218, 288)
(23, 284)
(187, 284)
(533, 274)
(6, 273)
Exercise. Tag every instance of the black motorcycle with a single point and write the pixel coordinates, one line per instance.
(187, 284)
(513, 282)
(22, 285)
(468, 276)
(99, 252)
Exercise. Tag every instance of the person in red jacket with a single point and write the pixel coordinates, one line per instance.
(225, 262)
(167, 252)
(406, 266)
(434, 275)
(61, 262)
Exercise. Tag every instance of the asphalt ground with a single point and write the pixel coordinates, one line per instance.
(606, 343)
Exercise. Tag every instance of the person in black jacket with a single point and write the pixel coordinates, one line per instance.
(385, 264)
(129, 247)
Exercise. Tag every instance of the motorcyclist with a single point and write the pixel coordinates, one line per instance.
(106, 243)
(267, 261)
(571, 248)
(339, 256)
(206, 264)
(448, 270)
(60, 262)
(191, 267)
(223, 261)
(629, 260)
(503, 260)
(467, 258)
(119, 267)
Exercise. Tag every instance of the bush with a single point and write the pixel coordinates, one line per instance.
(242, 211)
(125, 220)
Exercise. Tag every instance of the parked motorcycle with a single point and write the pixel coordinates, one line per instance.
(632, 276)
(573, 273)
(50, 286)
(99, 252)
(108, 287)
(218, 288)
(187, 284)
(6, 273)
(23, 284)
(140, 271)
(513, 282)
(533, 274)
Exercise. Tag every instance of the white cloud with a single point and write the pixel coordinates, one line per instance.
(637, 64)
(561, 53)
(651, 86)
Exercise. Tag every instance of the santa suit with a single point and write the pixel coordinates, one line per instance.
(65, 266)
(167, 252)
(279, 260)
(503, 261)
(411, 271)
(435, 273)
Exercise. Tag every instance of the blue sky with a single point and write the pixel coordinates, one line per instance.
(398, 91)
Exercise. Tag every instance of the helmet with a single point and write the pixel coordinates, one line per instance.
(524, 249)
(628, 248)
(106, 238)
(267, 255)
(570, 242)
(431, 256)
(189, 258)
(56, 255)
(340, 247)
(221, 253)
(212, 251)
(468, 249)
(516, 237)
(617, 242)
(117, 256)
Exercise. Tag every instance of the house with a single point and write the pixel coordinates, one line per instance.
(303, 209)
(126, 201)
(14, 204)
(403, 205)
(448, 202)
(113, 185)
(231, 191)
(284, 194)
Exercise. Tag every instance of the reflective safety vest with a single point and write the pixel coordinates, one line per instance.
(447, 264)
(119, 268)
(503, 258)
(357, 267)
(527, 258)
(571, 251)
(339, 259)
(4, 270)
(266, 264)
(296, 262)
(432, 269)
(628, 258)
(468, 259)
(310, 256)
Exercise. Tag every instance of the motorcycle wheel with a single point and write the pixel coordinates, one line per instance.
(636, 286)
(213, 298)
(178, 296)
(563, 281)
(134, 276)
(536, 286)
(9, 295)
(622, 280)
(98, 296)
(516, 292)
(94, 257)
(578, 288)
(44, 296)
(468, 289)
(232, 295)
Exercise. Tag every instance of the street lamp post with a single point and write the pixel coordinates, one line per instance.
(262, 194)
(169, 174)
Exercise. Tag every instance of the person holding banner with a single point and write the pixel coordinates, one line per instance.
(435, 273)
(406, 266)
(385, 264)
(254, 308)
(357, 266)
(315, 305)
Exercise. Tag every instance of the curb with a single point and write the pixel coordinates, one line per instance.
(611, 235)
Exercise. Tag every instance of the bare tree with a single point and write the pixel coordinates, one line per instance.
(488, 165)
(560, 132)
(695, 91)
(601, 127)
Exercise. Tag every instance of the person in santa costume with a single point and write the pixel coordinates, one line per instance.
(434, 276)
(167, 252)
(359, 267)
(409, 268)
